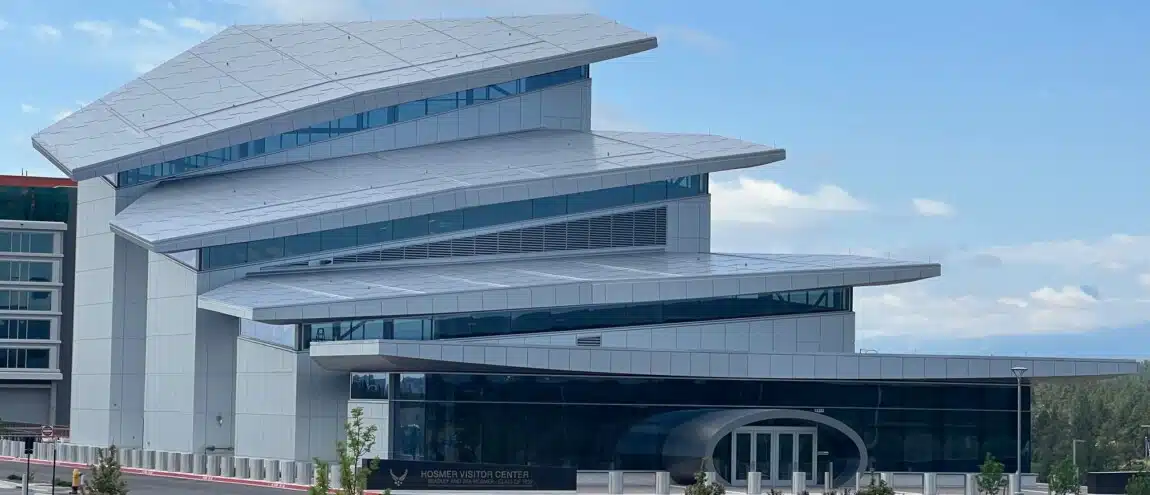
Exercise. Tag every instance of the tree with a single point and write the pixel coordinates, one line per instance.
(105, 478)
(877, 486)
(360, 439)
(703, 487)
(991, 480)
(1139, 484)
(322, 485)
(1064, 478)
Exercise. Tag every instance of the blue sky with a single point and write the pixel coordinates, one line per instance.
(1003, 139)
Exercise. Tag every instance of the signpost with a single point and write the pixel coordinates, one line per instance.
(49, 435)
(29, 446)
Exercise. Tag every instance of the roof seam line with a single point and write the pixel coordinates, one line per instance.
(642, 146)
(529, 35)
(241, 83)
(473, 47)
(293, 59)
(373, 45)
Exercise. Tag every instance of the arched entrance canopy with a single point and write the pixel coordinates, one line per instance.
(692, 443)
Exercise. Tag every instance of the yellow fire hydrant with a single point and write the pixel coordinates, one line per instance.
(75, 481)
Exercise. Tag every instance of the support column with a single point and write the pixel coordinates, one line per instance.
(190, 382)
(111, 308)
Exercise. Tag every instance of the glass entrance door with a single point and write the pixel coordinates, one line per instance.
(775, 452)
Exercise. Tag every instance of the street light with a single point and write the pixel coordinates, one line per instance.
(1018, 371)
(1074, 452)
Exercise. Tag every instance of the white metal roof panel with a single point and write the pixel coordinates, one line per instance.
(201, 208)
(258, 297)
(251, 73)
(478, 357)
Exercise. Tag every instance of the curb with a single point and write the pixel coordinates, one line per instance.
(168, 474)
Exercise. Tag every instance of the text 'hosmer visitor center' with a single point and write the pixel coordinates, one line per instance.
(416, 218)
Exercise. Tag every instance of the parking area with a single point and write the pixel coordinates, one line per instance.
(139, 485)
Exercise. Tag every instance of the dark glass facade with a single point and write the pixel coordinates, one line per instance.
(26, 300)
(444, 222)
(25, 329)
(349, 124)
(41, 204)
(618, 423)
(542, 320)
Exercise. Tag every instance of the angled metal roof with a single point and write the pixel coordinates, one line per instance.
(203, 211)
(478, 357)
(247, 74)
(587, 279)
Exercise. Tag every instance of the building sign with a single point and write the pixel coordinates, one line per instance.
(425, 475)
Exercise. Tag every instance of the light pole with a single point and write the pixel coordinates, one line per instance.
(1018, 371)
(1146, 441)
(1074, 452)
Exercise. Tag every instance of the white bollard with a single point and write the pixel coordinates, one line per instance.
(929, 484)
(970, 484)
(255, 469)
(271, 470)
(614, 482)
(240, 467)
(200, 464)
(1015, 487)
(149, 459)
(828, 482)
(887, 478)
(798, 482)
(754, 483)
(287, 471)
(662, 483)
(858, 481)
(187, 463)
(212, 465)
(303, 471)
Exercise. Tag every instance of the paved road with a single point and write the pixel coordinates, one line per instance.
(141, 485)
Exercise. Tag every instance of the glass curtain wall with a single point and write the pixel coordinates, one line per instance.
(619, 423)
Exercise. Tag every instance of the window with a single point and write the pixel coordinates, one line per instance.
(24, 358)
(369, 386)
(44, 204)
(348, 124)
(25, 300)
(26, 271)
(443, 222)
(26, 329)
(487, 323)
(27, 242)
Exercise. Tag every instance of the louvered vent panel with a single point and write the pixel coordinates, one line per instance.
(631, 229)
(589, 340)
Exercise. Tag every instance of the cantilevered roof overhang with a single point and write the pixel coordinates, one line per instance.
(520, 284)
(215, 94)
(257, 204)
(479, 357)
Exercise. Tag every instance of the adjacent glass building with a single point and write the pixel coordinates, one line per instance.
(37, 238)
(431, 231)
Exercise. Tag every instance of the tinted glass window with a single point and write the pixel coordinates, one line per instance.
(445, 222)
(334, 128)
(487, 323)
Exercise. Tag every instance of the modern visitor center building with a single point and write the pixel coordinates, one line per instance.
(416, 218)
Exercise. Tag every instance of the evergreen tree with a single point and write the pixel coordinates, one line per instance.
(105, 478)
(991, 479)
(322, 485)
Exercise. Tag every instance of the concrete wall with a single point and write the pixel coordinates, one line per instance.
(108, 339)
(25, 403)
(190, 385)
(287, 407)
(375, 413)
(828, 332)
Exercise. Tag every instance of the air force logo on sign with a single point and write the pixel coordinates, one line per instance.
(398, 480)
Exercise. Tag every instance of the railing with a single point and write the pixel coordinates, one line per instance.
(299, 474)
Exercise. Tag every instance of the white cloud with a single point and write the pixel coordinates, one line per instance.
(764, 201)
(691, 37)
(1144, 279)
(26, 108)
(202, 27)
(100, 30)
(61, 115)
(1118, 252)
(913, 310)
(932, 208)
(45, 32)
(150, 25)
